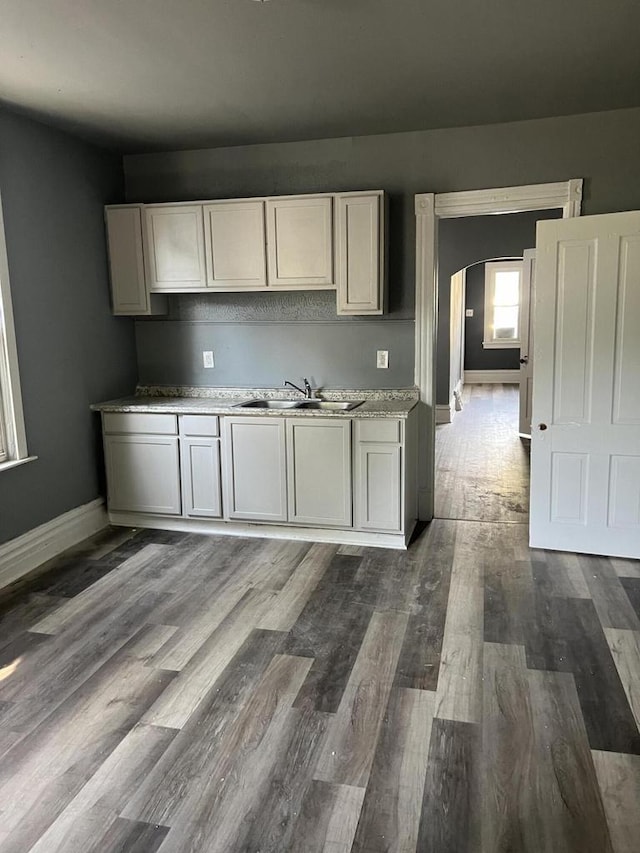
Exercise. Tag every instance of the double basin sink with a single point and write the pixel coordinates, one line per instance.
(321, 405)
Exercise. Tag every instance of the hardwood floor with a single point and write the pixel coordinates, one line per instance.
(186, 694)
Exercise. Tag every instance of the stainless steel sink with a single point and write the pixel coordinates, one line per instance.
(331, 405)
(269, 404)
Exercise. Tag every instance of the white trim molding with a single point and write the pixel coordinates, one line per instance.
(14, 439)
(429, 209)
(22, 555)
(443, 414)
(491, 377)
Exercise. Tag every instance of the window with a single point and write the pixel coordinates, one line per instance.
(13, 445)
(502, 297)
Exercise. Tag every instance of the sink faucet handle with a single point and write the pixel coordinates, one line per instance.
(308, 390)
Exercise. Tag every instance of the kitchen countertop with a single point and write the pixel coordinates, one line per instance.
(377, 404)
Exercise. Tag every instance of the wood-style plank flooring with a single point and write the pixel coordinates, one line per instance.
(188, 694)
(482, 465)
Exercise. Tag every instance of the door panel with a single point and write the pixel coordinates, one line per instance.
(624, 490)
(585, 447)
(574, 332)
(626, 405)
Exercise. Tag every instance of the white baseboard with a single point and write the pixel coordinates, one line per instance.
(20, 556)
(490, 377)
(443, 413)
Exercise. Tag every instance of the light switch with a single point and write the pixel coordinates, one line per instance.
(468, 312)
(382, 359)
(207, 358)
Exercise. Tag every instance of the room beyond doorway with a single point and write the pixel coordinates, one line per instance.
(482, 465)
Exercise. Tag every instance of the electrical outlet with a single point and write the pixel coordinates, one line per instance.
(207, 358)
(382, 359)
(468, 312)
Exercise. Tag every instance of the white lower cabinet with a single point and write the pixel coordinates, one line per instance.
(200, 466)
(379, 478)
(143, 473)
(319, 471)
(255, 484)
(333, 473)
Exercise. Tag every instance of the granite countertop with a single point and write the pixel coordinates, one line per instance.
(224, 401)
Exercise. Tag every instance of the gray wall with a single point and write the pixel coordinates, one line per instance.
(476, 357)
(600, 147)
(71, 351)
(462, 242)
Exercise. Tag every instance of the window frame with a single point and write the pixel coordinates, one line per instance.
(13, 439)
(490, 270)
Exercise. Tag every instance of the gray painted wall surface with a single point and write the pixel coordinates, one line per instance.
(476, 357)
(465, 241)
(599, 147)
(71, 351)
(263, 355)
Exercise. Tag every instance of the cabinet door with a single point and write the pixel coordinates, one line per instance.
(300, 242)
(359, 254)
(175, 247)
(126, 264)
(378, 481)
(200, 465)
(143, 473)
(255, 469)
(319, 471)
(235, 244)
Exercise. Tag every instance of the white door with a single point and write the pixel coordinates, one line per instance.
(585, 444)
(526, 340)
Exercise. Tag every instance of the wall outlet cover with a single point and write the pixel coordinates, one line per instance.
(207, 358)
(382, 359)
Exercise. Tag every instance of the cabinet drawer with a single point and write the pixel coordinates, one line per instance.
(127, 422)
(379, 430)
(199, 425)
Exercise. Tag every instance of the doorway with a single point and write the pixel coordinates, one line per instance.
(431, 209)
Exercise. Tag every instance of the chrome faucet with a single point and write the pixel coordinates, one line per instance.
(308, 391)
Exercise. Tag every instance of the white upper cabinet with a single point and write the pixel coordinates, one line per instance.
(129, 293)
(175, 247)
(360, 259)
(300, 242)
(330, 241)
(235, 244)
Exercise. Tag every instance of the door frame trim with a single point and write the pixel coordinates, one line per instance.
(429, 209)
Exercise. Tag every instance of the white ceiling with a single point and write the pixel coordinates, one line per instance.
(164, 74)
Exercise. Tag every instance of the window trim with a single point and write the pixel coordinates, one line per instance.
(11, 411)
(490, 270)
